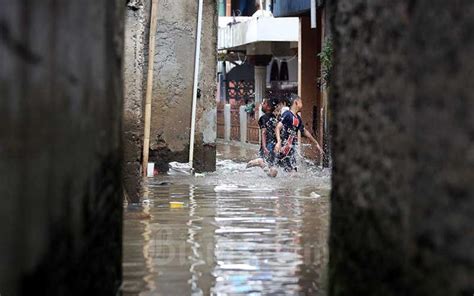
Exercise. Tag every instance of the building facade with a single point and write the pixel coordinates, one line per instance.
(282, 44)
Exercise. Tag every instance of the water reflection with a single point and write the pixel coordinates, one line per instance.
(257, 249)
(236, 232)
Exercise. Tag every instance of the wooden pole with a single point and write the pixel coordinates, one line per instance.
(325, 134)
(149, 85)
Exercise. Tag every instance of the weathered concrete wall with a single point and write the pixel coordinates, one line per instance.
(403, 98)
(173, 80)
(60, 106)
(135, 67)
(206, 116)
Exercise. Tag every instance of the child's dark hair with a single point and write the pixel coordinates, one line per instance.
(274, 103)
(285, 100)
(292, 98)
(270, 102)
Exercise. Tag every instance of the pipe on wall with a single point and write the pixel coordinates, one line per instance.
(195, 86)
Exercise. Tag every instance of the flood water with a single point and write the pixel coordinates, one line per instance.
(232, 232)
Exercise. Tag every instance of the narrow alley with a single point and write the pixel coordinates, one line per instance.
(234, 231)
(127, 129)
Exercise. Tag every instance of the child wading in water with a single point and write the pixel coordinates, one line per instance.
(286, 133)
(267, 124)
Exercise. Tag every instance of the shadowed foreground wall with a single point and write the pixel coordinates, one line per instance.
(403, 183)
(60, 110)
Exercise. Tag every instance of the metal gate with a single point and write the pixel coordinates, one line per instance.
(220, 121)
(240, 91)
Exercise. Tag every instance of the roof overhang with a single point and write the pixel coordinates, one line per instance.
(285, 8)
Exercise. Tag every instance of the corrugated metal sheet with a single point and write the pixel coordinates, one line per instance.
(283, 8)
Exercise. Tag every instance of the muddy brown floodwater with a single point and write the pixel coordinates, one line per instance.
(232, 232)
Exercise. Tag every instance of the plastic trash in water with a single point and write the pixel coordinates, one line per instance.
(314, 195)
(178, 168)
(150, 169)
(176, 204)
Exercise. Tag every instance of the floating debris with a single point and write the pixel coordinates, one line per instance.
(176, 204)
(178, 168)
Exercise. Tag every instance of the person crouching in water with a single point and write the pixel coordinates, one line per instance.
(286, 134)
(267, 123)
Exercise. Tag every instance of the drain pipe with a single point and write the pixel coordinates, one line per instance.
(195, 86)
(149, 86)
(313, 14)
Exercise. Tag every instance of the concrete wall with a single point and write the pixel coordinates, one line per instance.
(61, 102)
(403, 183)
(135, 68)
(173, 81)
(206, 117)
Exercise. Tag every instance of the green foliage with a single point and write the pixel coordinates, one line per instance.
(326, 63)
(249, 108)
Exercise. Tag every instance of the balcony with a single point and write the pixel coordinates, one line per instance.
(251, 30)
